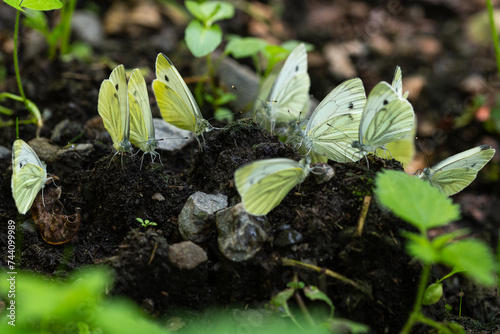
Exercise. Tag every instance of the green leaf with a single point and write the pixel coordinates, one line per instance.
(442, 240)
(202, 40)
(472, 255)
(313, 293)
(223, 114)
(433, 294)
(420, 247)
(241, 47)
(36, 20)
(210, 11)
(35, 4)
(415, 201)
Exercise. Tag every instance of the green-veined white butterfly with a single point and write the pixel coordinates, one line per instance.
(452, 175)
(334, 124)
(177, 105)
(289, 94)
(386, 117)
(142, 131)
(29, 175)
(402, 149)
(114, 110)
(397, 83)
(263, 184)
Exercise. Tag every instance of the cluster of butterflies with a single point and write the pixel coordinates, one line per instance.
(345, 127)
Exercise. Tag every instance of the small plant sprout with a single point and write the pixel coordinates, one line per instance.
(425, 207)
(146, 223)
(299, 289)
(38, 5)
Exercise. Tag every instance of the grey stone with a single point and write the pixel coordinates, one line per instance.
(287, 238)
(186, 255)
(241, 235)
(194, 219)
(174, 138)
(87, 27)
(4, 152)
(323, 173)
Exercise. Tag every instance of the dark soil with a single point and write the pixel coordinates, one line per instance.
(110, 192)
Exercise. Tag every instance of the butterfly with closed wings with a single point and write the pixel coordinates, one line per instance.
(177, 105)
(289, 94)
(29, 175)
(142, 131)
(386, 117)
(452, 175)
(114, 110)
(263, 184)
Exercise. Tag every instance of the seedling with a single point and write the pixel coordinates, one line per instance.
(40, 5)
(60, 34)
(296, 289)
(146, 223)
(425, 208)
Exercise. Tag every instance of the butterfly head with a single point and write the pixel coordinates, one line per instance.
(123, 146)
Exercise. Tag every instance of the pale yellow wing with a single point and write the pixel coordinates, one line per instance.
(176, 103)
(263, 184)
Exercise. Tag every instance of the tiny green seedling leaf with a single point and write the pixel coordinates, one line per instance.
(34, 4)
(241, 47)
(472, 255)
(415, 201)
(202, 40)
(433, 294)
(210, 11)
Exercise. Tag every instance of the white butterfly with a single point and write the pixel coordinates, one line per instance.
(177, 105)
(142, 130)
(289, 94)
(452, 175)
(263, 184)
(397, 83)
(333, 126)
(114, 110)
(29, 175)
(386, 117)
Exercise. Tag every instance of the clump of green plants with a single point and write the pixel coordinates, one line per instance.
(40, 5)
(146, 223)
(425, 207)
(77, 305)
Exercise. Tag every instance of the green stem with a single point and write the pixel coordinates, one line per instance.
(494, 34)
(67, 15)
(16, 61)
(417, 307)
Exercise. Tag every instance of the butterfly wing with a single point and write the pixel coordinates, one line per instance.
(176, 103)
(28, 177)
(402, 149)
(289, 94)
(113, 108)
(263, 184)
(142, 131)
(455, 173)
(334, 124)
(386, 117)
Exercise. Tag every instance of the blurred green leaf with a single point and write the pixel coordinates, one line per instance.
(223, 114)
(202, 40)
(241, 47)
(35, 4)
(472, 255)
(420, 247)
(36, 20)
(313, 293)
(210, 11)
(415, 201)
(433, 294)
